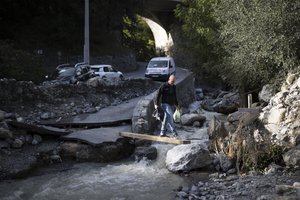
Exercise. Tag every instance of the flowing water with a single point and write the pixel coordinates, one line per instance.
(147, 180)
(124, 180)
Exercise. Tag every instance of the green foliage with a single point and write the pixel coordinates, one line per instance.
(262, 157)
(257, 152)
(247, 43)
(260, 38)
(274, 155)
(138, 36)
(196, 40)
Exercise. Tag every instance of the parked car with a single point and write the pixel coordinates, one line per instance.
(83, 72)
(160, 68)
(106, 71)
(68, 74)
(64, 66)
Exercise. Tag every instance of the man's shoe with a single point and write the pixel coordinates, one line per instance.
(162, 134)
(175, 135)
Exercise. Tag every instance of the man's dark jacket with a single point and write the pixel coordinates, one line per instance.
(166, 94)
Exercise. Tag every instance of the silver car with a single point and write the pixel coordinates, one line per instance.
(106, 71)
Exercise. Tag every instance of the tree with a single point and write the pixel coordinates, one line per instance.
(197, 36)
(260, 38)
(138, 37)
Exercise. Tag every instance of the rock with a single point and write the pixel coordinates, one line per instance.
(197, 124)
(288, 190)
(227, 105)
(56, 159)
(106, 152)
(17, 143)
(189, 119)
(273, 169)
(91, 110)
(4, 145)
(276, 115)
(296, 184)
(182, 194)
(147, 152)
(5, 133)
(199, 94)
(36, 139)
(290, 79)
(223, 163)
(45, 116)
(194, 107)
(187, 157)
(266, 93)
(207, 104)
(292, 157)
(94, 82)
(234, 117)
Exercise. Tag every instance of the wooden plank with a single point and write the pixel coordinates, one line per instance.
(154, 138)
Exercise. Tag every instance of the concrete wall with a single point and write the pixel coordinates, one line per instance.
(142, 120)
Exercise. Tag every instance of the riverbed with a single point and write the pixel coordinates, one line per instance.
(122, 180)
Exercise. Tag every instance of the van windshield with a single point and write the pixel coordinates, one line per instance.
(158, 64)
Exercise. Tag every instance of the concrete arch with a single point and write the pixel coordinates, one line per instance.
(159, 15)
(163, 39)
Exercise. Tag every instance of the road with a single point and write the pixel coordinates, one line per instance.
(109, 116)
(140, 72)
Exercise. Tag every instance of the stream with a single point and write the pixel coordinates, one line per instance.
(130, 180)
(123, 180)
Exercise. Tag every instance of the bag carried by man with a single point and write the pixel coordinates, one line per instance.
(176, 116)
(158, 114)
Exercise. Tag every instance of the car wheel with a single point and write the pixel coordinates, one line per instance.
(122, 77)
(104, 77)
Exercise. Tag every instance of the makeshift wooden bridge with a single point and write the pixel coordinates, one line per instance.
(154, 138)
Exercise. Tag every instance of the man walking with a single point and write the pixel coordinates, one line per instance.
(167, 98)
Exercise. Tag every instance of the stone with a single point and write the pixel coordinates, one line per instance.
(147, 152)
(36, 139)
(5, 133)
(292, 157)
(187, 157)
(4, 145)
(276, 115)
(290, 79)
(227, 105)
(266, 93)
(189, 119)
(45, 116)
(17, 143)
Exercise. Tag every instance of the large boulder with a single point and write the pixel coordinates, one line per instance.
(189, 119)
(187, 157)
(228, 104)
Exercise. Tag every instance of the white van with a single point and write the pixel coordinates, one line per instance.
(160, 68)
